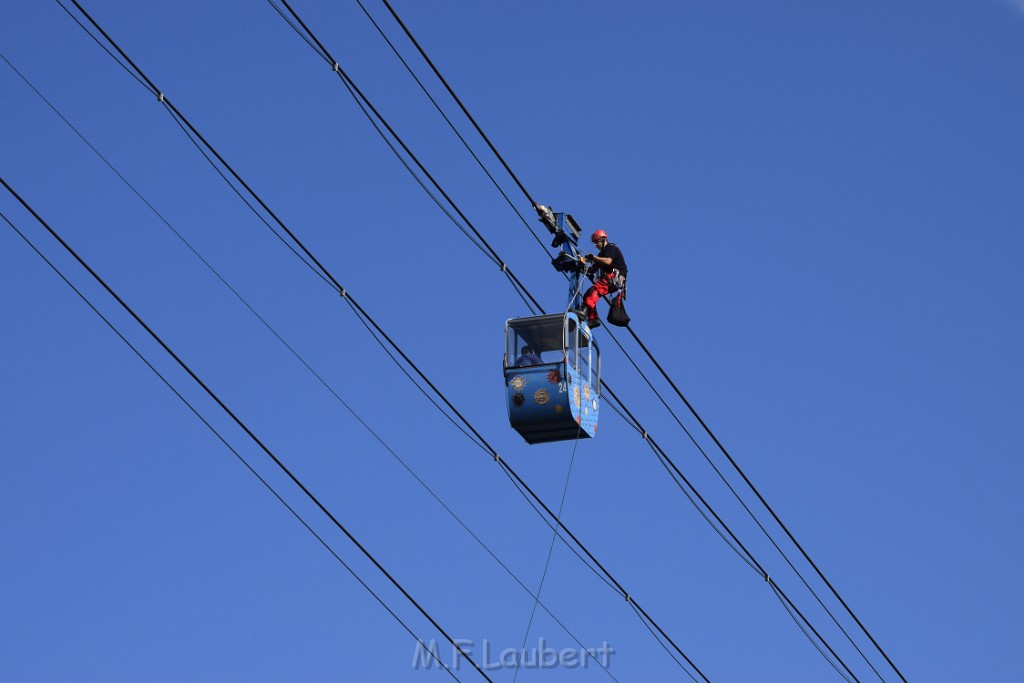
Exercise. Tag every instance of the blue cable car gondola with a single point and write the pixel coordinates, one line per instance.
(555, 394)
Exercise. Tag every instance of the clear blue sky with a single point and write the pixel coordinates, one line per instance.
(821, 206)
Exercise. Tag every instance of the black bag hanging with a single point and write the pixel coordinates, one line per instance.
(617, 312)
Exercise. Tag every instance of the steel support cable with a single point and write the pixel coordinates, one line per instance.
(297, 356)
(743, 503)
(555, 527)
(325, 55)
(360, 313)
(394, 150)
(140, 81)
(208, 265)
(721, 528)
(734, 543)
(459, 102)
(675, 474)
(794, 613)
(305, 38)
(745, 554)
(448, 121)
(790, 607)
(401, 366)
(665, 647)
(617, 586)
(529, 198)
(476, 238)
(684, 488)
(786, 606)
(369, 116)
(628, 418)
(224, 441)
(217, 274)
(163, 99)
(260, 217)
(718, 525)
(138, 194)
(766, 505)
(284, 469)
(193, 135)
(326, 273)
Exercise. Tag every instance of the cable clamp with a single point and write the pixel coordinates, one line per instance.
(629, 600)
(767, 578)
(160, 97)
(645, 435)
(336, 68)
(342, 292)
(504, 268)
(497, 458)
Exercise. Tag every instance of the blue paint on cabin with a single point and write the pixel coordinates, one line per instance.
(559, 398)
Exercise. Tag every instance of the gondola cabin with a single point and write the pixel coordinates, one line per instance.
(552, 378)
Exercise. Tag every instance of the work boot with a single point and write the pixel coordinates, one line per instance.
(593, 322)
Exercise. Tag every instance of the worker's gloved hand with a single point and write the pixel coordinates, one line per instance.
(589, 258)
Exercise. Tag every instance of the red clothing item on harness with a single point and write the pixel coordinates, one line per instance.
(602, 286)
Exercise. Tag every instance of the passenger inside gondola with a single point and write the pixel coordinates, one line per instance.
(527, 357)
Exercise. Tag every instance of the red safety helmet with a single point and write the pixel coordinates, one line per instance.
(598, 234)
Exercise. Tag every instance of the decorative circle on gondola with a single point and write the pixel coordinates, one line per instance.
(541, 396)
(518, 400)
(595, 405)
(517, 383)
(576, 396)
(586, 391)
(554, 376)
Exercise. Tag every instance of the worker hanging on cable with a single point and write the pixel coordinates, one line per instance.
(610, 267)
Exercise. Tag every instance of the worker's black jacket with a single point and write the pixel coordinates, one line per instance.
(618, 261)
